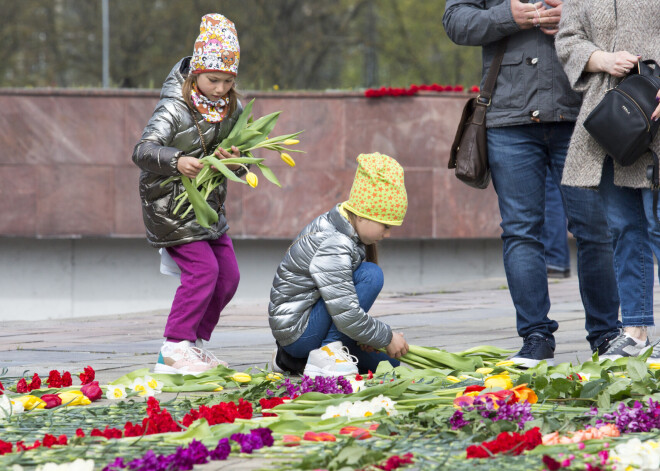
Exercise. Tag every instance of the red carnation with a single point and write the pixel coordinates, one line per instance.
(2, 388)
(88, 375)
(80, 432)
(269, 404)
(92, 391)
(244, 409)
(66, 379)
(22, 386)
(551, 463)
(49, 440)
(35, 383)
(458, 88)
(474, 89)
(54, 379)
(51, 400)
(5, 447)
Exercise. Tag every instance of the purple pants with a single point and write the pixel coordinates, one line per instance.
(209, 278)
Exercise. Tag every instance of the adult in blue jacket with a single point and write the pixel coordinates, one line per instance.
(530, 122)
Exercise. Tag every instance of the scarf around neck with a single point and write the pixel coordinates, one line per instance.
(211, 111)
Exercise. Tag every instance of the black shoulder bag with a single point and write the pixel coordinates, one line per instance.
(621, 123)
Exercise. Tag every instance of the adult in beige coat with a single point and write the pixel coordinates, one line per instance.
(598, 43)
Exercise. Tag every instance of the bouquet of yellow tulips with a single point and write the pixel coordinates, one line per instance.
(247, 135)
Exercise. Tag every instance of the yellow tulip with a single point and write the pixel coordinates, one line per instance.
(484, 371)
(291, 142)
(241, 377)
(274, 376)
(218, 389)
(287, 158)
(31, 402)
(654, 366)
(498, 381)
(505, 363)
(453, 379)
(74, 398)
(252, 179)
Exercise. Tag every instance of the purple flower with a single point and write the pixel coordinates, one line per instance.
(221, 452)
(456, 421)
(118, 463)
(265, 436)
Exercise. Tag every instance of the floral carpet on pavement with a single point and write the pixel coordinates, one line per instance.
(468, 410)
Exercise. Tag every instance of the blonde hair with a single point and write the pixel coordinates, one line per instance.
(191, 80)
(371, 249)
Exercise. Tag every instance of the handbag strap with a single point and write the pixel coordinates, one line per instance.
(486, 93)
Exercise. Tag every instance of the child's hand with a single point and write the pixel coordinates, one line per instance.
(223, 154)
(398, 346)
(189, 166)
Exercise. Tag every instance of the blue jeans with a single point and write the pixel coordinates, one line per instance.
(554, 235)
(636, 237)
(320, 331)
(520, 157)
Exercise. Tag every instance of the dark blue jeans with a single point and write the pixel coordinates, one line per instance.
(520, 157)
(320, 331)
(636, 235)
(555, 235)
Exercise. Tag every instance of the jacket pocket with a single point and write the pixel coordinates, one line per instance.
(509, 90)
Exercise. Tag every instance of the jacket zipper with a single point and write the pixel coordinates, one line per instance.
(648, 124)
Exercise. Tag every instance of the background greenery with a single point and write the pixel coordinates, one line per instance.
(285, 44)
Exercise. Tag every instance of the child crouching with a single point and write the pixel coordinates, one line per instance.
(329, 279)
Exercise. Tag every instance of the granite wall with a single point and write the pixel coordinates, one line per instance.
(66, 169)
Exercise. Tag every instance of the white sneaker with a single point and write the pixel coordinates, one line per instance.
(208, 356)
(181, 358)
(331, 360)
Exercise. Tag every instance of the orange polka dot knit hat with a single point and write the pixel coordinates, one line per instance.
(216, 48)
(378, 191)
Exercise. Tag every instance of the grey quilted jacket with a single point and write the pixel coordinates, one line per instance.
(170, 133)
(531, 86)
(320, 264)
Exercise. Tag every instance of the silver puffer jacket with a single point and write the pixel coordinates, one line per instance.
(320, 264)
(170, 133)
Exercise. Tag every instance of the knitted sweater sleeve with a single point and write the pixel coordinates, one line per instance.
(573, 44)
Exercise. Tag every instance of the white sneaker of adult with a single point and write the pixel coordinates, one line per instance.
(181, 358)
(208, 356)
(332, 359)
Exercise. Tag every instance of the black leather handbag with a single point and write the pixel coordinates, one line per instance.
(621, 123)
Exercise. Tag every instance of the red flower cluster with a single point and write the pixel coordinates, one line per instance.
(414, 89)
(396, 461)
(2, 388)
(223, 413)
(270, 403)
(55, 380)
(506, 442)
(87, 376)
(48, 441)
(23, 387)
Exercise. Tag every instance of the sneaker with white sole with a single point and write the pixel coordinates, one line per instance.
(625, 346)
(208, 356)
(332, 359)
(181, 358)
(536, 348)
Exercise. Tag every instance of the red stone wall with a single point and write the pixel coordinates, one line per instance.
(66, 169)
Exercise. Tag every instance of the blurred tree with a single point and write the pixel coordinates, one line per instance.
(291, 44)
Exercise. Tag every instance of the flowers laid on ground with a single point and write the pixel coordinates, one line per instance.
(247, 135)
(451, 407)
(415, 89)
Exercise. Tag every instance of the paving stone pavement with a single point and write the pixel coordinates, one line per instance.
(459, 317)
(456, 318)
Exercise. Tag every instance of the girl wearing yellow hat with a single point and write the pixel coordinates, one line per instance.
(329, 279)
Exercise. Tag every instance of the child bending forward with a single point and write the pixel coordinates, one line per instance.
(198, 107)
(329, 279)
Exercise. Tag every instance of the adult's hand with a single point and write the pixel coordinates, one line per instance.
(398, 346)
(656, 114)
(617, 63)
(189, 166)
(548, 19)
(524, 14)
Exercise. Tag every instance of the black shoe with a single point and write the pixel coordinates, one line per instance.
(282, 362)
(536, 348)
(555, 273)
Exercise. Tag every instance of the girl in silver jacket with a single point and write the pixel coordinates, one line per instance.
(328, 280)
(197, 109)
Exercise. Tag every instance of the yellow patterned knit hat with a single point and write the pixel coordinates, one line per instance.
(216, 48)
(378, 191)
